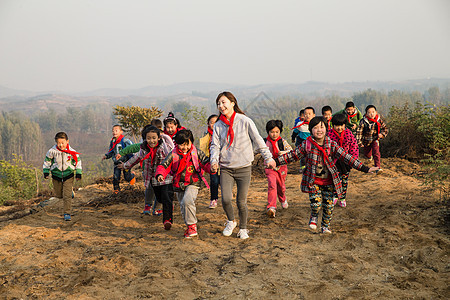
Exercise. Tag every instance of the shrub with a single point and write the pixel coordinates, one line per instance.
(17, 180)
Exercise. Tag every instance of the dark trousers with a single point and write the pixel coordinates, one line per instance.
(162, 194)
(116, 178)
(214, 186)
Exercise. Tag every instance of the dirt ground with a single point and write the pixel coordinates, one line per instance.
(391, 241)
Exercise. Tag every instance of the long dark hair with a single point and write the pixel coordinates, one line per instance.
(233, 99)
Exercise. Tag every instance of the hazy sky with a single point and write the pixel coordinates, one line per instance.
(78, 45)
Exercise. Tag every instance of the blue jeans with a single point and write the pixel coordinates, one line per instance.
(214, 185)
(116, 178)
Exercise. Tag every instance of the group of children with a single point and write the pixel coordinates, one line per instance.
(172, 165)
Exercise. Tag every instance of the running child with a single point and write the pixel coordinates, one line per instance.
(353, 114)
(119, 142)
(327, 113)
(345, 139)
(300, 118)
(321, 177)
(205, 144)
(171, 125)
(152, 152)
(276, 177)
(303, 131)
(370, 131)
(186, 163)
(235, 138)
(63, 162)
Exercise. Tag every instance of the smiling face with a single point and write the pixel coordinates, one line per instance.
(116, 132)
(62, 144)
(339, 128)
(225, 106)
(318, 132)
(327, 115)
(274, 133)
(350, 110)
(211, 122)
(309, 114)
(371, 113)
(171, 128)
(152, 139)
(185, 147)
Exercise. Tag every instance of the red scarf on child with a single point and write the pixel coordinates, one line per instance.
(340, 136)
(71, 152)
(184, 160)
(301, 124)
(171, 135)
(349, 116)
(210, 131)
(151, 153)
(375, 121)
(119, 138)
(274, 146)
(322, 151)
(230, 133)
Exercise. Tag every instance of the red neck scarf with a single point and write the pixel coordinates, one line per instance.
(210, 131)
(375, 121)
(73, 153)
(171, 135)
(340, 136)
(322, 151)
(301, 124)
(230, 134)
(329, 124)
(349, 116)
(275, 149)
(151, 153)
(183, 162)
(119, 138)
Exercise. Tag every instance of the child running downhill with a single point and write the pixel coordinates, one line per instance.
(345, 139)
(153, 151)
(276, 177)
(371, 129)
(205, 144)
(171, 125)
(321, 177)
(62, 161)
(186, 163)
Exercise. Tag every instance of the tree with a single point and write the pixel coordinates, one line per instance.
(194, 118)
(134, 118)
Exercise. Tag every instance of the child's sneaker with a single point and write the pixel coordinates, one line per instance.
(157, 212)
(147, 210)
(167, 225)
(335, 200)
(379, 171)
(191, 231)
(313, 223)
(67, 217)
(133, 181)
(284, 204)
(243, 234)
(213, 204)
(343, 203)
(326, 230)
(271, 212)
(229, 227)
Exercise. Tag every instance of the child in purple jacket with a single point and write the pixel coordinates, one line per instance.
(345, 139)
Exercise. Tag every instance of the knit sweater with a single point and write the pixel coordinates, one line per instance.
(61, 165)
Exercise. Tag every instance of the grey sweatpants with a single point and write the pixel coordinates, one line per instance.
(187, 204)
(242, 178)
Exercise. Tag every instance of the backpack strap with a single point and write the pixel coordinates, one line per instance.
(194, 155)
(280, 145)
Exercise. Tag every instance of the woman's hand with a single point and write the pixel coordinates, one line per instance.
(271, 164)
(374, 170)
(160, 178)
(214, 168)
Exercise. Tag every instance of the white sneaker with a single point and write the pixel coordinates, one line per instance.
(243, 234)
(229, 226)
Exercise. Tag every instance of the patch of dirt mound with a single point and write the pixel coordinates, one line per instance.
(130, 195)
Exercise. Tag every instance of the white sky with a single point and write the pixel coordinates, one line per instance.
(78, 45)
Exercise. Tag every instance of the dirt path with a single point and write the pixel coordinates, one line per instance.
(390, 242)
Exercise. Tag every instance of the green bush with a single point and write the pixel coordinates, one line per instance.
(17, 180)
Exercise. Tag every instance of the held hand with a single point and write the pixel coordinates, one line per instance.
(120, 166)
(118, 156)
(104, 157)
(354, 126)
(78, 179)
(380, 136)
(160, 178)
(374, 169)
(271, 164)
(214, 168)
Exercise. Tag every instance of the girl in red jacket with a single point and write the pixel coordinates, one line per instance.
(186, 164)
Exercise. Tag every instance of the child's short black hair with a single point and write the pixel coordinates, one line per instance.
(301, 112)
(210, 117)
(326, 108)
(157, 123)
(316, 120)
(117, 125)
(150, 128)
(274, 123)
(310, 107)
(369, 107)
(349, 104)
(339, 119)
(171, 119)
(183, 136)
(61, 135)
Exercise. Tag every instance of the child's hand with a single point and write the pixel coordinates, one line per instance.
(118, 156)
(160, 178)
(46, 176)
(214, 168)
(374, 169)
(104, 157)
(120, 166)
(78, 178)
(354, 126)
(271, 164)
(380, 136)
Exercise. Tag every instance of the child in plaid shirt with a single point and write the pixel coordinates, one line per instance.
(370, 130)
(321, 177)
(153, 151)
